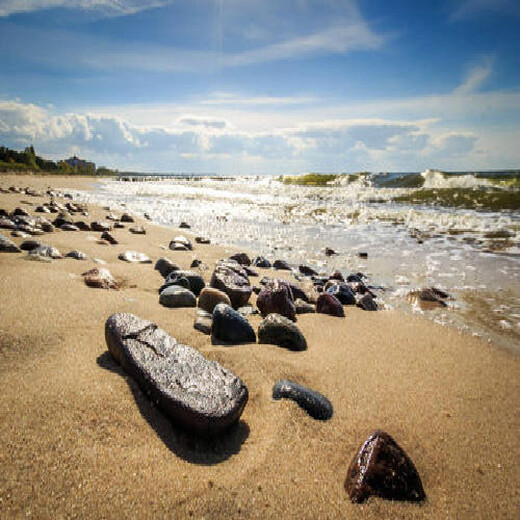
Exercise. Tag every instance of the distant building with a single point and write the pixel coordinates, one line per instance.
(81, 164)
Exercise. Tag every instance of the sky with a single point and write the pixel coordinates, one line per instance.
(263, 86)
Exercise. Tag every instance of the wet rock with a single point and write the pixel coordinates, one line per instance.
(367, 303)
(279, 330)
(134, 257)
(329, 304)
(314, 403)
(260, 261)
(276, 297)
(203, 322)
(97, 225)
(177, 296)
(29, 245)
(195, 281)
(109, 238)
(432, 295)
(229, 327)
(230, 278)
(138, 230)
(306, 270)
(125, 217)
(45, 251)
(180, 243)
(7, 245)
(100, 278)
(343, 293)
(199, 395)
(202, 240)
(241, 258)
(382, 468)
(281, 265)
(165, 266)
(302, 307)
(209, 298)
(78, 255)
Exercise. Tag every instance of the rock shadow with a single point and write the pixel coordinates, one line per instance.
(189, 446)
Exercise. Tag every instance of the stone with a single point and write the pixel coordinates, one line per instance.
(367, 303)
(276, 297)
(177, 296)
(209, 297)
(78, 255)
(125, 217)
(182, 242)
(297, 291)
(354, 278)
(329, 304)
(337, 275)
(20, 212)
(203, 322)
(140, 230)
(83, 226)
(230, 278)
(229, 327)
(29, 245)
(134, 257)
(363, 254)
(101, 278)
(382, 468)
(165, 266)
(97, 225)
(7, 245)
(260, 261)
(279, 330)
(281, 265)
(184, 225)
(109, 238)
(241, 258)
(250, 271)
(248, 310)
(302, 307)
(314, 403)
(197, 394)
(69, 227)
(202, 240)
(306, 270)
(7, 223)
(45, 251)
(119, 225)
(343, 293)
(195, 281)
(330, 252)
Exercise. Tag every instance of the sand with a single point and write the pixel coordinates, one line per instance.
(78, 439)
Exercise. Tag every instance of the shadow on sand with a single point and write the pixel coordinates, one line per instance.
(194, 449)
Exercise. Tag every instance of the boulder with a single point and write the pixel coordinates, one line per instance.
(7, 245)
(195, 281)
(177, 296)
(125, 217)
(210, 297)
(241, 258)
(367, 303)
(29, 245)
(337, 275)
(199, 395)
(329, 304)
(314, 403)
(276, 297)
(165, 266)
(230, 278)
(279, 330)
(230, 327)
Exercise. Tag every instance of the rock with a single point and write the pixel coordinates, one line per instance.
(302, 307)
(7, 223)
(177, 296)
(241, 258)
(431, 295)
(210, 297)
(101, 278)
(20, 212)
(314, 403)
(367, 303)
(330, 252)
(202, 240)
(203, 322)
(329, 304)
(184, 225)
(78, 255)
(111, 217)
(230, 278)
(83, 226)
(306, 270)
(69, 227)
(138, 230)
(45, 251)
(363, 254)
(119, 225)
(199, 395)
(29, 245)
(179, 243)
(337, 275)
(19, 234)
(343, 293)
(382, 468)
(248, 310)
(276, 297)
(7, 245)
(109, 238)
(195, 281)
(125, 217)
(281, 265)
(250, 271)
(279, 330)
(354, 278)
(165, 266)
(260, 261)
(196, 263)
(135, 257)
(98, 226)
(229, 327)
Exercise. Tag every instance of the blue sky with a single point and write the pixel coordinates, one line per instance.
(264, 86)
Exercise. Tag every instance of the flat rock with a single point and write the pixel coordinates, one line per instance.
(329, 304)
(276, 297)
(199, 395)
(165, 266)
(135, 257)
(177, 296)
(230, 278)
(382, 468)
(7, 245)
(279, 330)
(100, 278)
(210, 297)
(203, 322)
(78, 255)
(314, 403)
(230, 327)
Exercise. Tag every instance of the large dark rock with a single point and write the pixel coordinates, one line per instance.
(343, 293)
(281, 265)
(8, 246)
(306, 270)
(279, 330)
(177, 296)
(260, 261)
(29, 245)
(125, 217)
(97, 225)
(210, 297)
(314, 403)
(367, 303)
(230, 327)
(230, 278)
(382, 468)
(241, 258)
(109, 238)
(276, 297)
(200, 395)
(195, 282)
(329, 304)
(165, 266)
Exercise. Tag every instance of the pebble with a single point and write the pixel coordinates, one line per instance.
(98, 226)
(279, 330)
(177, 296)
(241, 258)
(229, 327)
(180, 243)
(306, 270)
(260, 261)
(314, 403)
(109, 238)
(138, 230)
(45, 251)
(125, 217)
(281, 265)
(202, 240)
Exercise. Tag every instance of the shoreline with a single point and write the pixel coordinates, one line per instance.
(79, 438)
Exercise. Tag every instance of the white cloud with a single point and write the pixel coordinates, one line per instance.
(476, 77)
(467, 9)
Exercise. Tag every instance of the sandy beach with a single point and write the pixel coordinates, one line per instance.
(79, 439)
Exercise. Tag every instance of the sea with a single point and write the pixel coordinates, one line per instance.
(458, 232)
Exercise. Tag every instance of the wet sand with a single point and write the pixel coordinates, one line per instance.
(78, 439)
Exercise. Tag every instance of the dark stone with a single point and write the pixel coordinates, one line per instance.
(210, 297)
(197, 394)
(99, 226)
(230, 327)
(181, 281)
(281, 265)
(229, 277)
(329, 304)
(367, 303)
(7, 223)
(202, 240)
(109, 238)
(343, 293)
(354, 278)
(197, 263)
(330, 252)
(307, 271)
(138, 230)
(78, 255)
(314, 403)
(29, 245)
(180, 242)
(83, 226)
(203, 322)
(184, 225)
(125, 217)
(276, 297)
(363, 254)
(303, 307)
(241, 258)
(195, 281)
(250, 271)
(69, 227)
(177, 296)
(119, 225)
(382, 468)
(165, 266)
(431, 294)
(260, 261)
(101, 278)
(7, 245)
(17, 212)
(279, 330)
(337, 275)
(298, 292)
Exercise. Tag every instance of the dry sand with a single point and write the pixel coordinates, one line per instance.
(78, 439)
